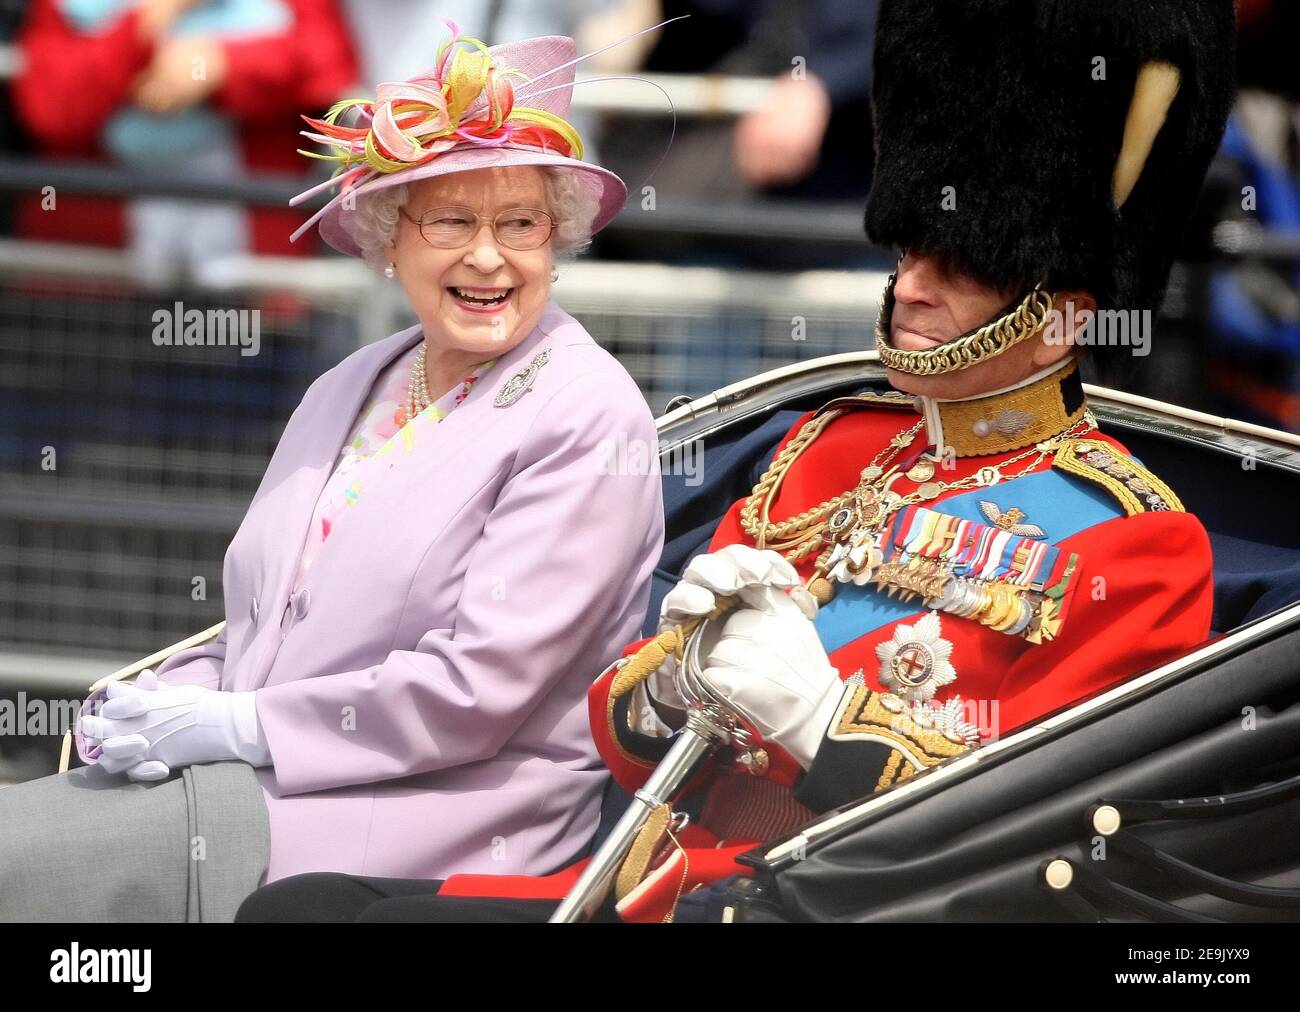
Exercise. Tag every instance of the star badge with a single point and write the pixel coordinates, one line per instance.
(914, 664)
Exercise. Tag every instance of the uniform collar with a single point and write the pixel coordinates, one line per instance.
(1039, 407)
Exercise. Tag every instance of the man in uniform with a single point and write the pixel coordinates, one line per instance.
(920, 570)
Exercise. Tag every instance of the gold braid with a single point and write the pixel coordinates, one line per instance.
(799, 535)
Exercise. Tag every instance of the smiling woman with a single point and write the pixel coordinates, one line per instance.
(438, 561)
(474, 252)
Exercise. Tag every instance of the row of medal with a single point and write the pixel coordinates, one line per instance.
(1014, 585)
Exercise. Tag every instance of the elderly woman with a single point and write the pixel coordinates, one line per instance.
(434, 568)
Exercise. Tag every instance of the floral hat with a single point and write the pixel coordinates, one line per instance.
(477, 108)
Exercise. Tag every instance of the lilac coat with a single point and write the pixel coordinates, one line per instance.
(424, 694)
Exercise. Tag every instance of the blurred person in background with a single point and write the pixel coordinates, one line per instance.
(392, 36)
(200, 89)
(810, 139)
(806, 148)
(452, 535)
(1254, 302)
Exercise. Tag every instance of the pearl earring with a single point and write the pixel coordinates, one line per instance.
(390, 271)
(555, 275)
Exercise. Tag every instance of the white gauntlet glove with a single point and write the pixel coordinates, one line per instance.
(150, 728)
(770, 666)
(733, 571)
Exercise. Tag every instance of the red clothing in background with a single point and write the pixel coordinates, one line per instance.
(71, 83)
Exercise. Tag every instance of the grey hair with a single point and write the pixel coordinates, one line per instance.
(373, 223)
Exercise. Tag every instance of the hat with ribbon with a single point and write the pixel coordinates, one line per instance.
(477, 108)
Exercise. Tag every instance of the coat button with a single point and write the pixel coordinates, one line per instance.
(300, 602)
(252, 611)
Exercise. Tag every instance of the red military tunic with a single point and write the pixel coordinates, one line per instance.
(1140, 594)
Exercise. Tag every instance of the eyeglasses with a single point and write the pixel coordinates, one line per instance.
(519, 228)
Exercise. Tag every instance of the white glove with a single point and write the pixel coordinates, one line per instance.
(733, 571)
(772, 669)
(150, 728)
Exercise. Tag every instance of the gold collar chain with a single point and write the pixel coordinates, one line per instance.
(1018, 323)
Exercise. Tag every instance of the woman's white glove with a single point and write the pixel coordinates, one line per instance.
(733, 571)
(770, 666)
(150, 728)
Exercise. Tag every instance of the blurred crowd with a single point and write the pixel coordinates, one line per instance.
(212, 90)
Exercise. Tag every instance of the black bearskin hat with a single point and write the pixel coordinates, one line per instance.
(1000, 123)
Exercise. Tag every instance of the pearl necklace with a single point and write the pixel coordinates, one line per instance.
(417, 391)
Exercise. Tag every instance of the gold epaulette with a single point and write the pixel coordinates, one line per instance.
(1136, 488)
(870, 399)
